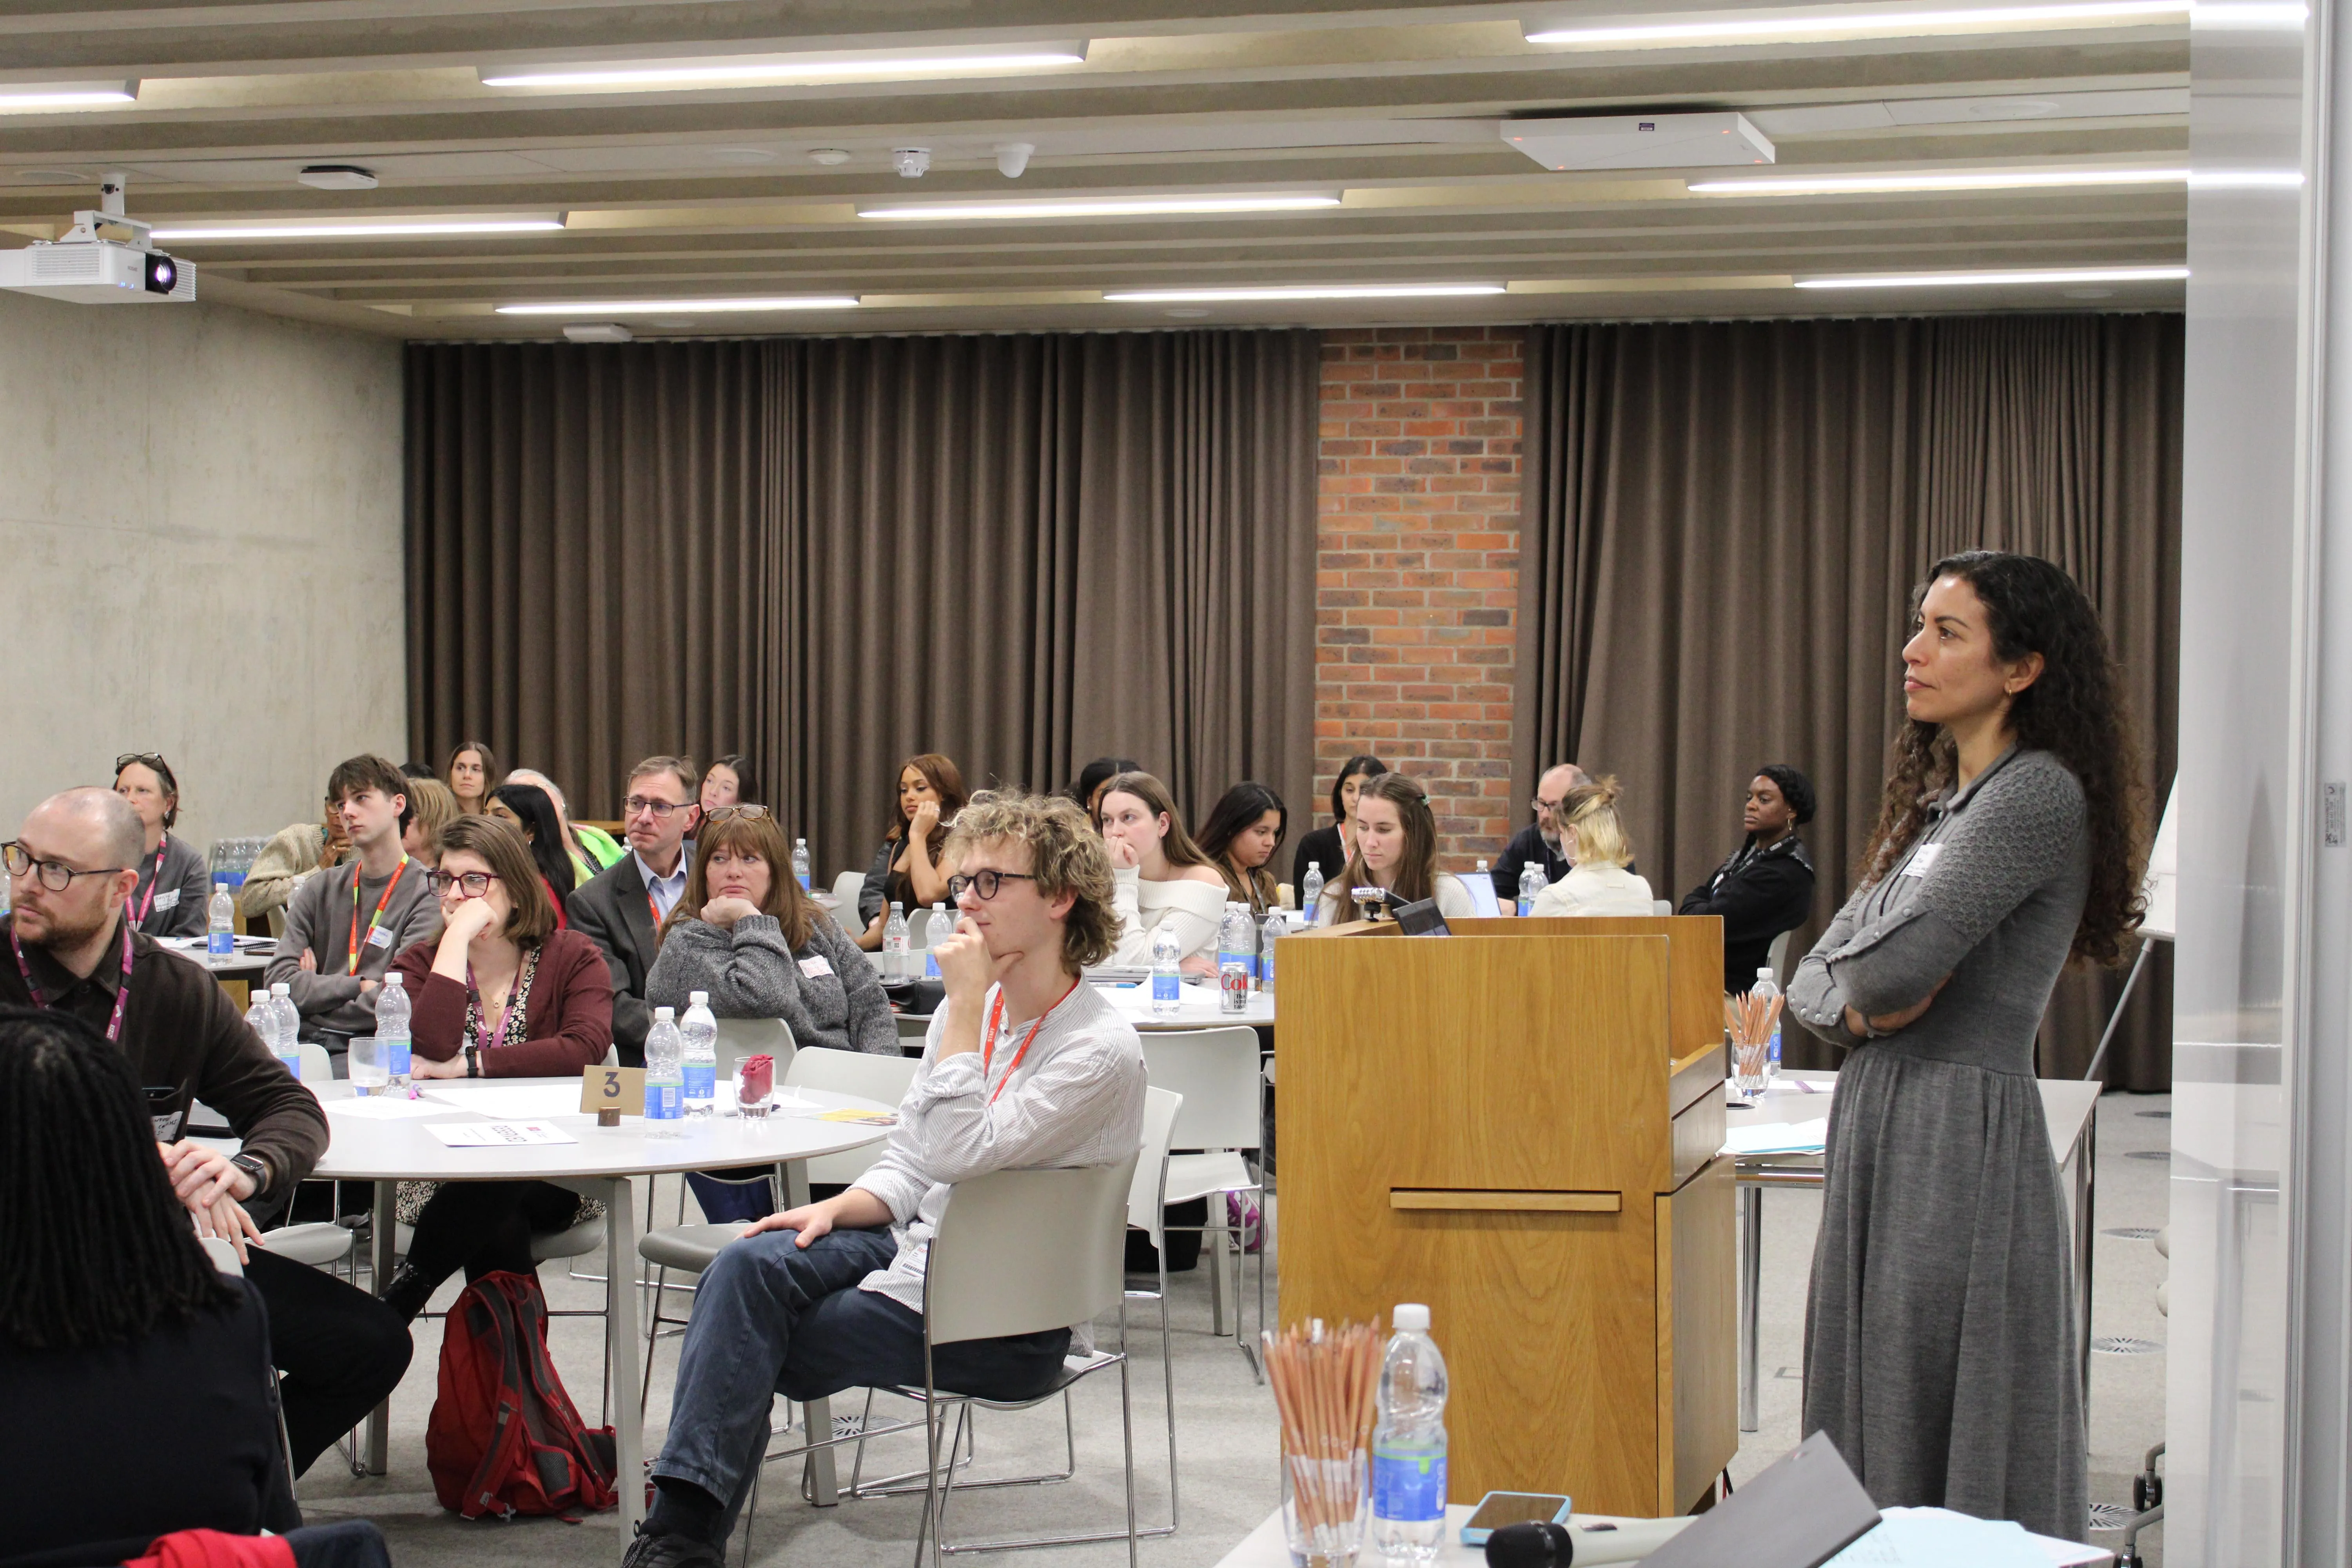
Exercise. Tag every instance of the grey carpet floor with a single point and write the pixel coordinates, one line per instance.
(1225, 1435)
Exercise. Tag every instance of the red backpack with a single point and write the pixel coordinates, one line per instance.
(503, 1437)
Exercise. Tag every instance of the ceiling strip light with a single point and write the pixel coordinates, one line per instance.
(2245, 180)
(1305, 291)
(679, 307)
(384, 228)
(1931, 180)
(1862, 24)
(66, 94)
(2053, 275)
(682, 73)
(1100, 207)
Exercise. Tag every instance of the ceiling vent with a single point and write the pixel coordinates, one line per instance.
(1640, 142)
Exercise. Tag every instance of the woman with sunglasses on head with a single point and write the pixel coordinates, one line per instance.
(174, 884)
(1244, 830)
(908, 868)
(500, 993)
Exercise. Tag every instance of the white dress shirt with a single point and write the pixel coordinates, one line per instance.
(1074, 1099)
(666, 891)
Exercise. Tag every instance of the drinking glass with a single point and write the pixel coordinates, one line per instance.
(1325, 1505)
(366, 1063)
(1754, 1066)
(762, 1099)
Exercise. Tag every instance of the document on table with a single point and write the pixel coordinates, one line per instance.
(497, 1134)
(384, 1108)
(1938, 1537)
(1778, 1138)
(529, 1101)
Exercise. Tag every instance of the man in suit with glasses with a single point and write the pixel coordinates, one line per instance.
(621, 909)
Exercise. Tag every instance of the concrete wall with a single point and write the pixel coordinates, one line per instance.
(200, 539)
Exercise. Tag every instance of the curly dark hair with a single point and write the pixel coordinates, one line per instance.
(2074, 710)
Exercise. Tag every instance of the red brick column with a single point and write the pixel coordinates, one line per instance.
(1417, 580)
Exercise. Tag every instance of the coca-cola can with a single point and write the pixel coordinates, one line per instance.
(1233, 988)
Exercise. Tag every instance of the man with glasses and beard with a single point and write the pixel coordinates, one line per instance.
(72, 870)
(1540, 841)
(621, 908)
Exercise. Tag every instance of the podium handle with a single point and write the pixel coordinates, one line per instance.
(1491, 1200)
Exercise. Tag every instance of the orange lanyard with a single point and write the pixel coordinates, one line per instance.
(352, 963)
(995, 1021)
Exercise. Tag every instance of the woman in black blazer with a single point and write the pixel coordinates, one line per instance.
(1330, 846)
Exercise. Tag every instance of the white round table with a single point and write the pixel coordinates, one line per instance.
(599, 1164)
(1198, 1009)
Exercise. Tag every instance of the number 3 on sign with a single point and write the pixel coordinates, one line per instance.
(621, 1089)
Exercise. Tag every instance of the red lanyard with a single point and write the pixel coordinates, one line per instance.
(121, 993)
(988, 1046)
(352, 963)
(162, 847)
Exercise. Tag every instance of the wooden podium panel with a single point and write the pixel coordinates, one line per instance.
(1489, 1123)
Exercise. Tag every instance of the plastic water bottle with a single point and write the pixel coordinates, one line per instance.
(1167, 977)
(1768, 986)
(898, 946)
(933, 935)
(289, 1016)
(1237, 939)
(1276, 923)
(698, 1064)
(1310, 893)
(801, 862)
(391, 1030)
(1531, 882)
(262, 1019)
(665, 1102)
(220, 923)
(1409, 1445)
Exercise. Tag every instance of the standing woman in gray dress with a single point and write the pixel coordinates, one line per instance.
(1940, 1351)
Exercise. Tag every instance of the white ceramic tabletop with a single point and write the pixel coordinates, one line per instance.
(364, 1148)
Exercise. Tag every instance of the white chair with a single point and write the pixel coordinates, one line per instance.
(740, 1038)
(1018, 1252)
(918, 927)
(1779, 958)
(1662, 905)
(845, 889)
(1219, 1072)
(318, 1066)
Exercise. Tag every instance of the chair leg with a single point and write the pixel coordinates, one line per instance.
(1127, 1434)
(1168, 1381)
(653, 1331)
(1213, 1242)
(751, 1512)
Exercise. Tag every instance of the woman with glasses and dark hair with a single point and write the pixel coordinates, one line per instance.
(908, 868)
(175, 883)
(110, 1306)
(502, 992)
(1767, 885)
(528, 807)
(1244, 830)
(1329, 847)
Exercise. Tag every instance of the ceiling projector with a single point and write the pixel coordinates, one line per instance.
(88, 266)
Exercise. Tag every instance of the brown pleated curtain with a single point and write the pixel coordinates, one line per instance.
(1023, 551)
(1723, 522)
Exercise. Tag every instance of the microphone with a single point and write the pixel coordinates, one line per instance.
(1531, 1545)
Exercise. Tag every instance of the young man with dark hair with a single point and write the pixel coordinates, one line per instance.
(1026, 1067)
(621, 908)
(71, 870)
(344, 926)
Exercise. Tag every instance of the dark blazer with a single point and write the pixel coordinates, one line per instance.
(1760, 893)
(1319, 847)
(613, 910)
(566, 1026)
(1528, 844)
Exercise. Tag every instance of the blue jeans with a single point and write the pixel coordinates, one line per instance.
(771, 1318)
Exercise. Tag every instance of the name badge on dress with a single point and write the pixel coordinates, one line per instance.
(170, 900)
(379, 936)
(1922, 859)
(815, 968)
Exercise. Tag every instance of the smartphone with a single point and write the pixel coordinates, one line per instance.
(1496, 1510)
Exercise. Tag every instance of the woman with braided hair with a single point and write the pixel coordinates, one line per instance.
(123, 1350)
(1940, 1346)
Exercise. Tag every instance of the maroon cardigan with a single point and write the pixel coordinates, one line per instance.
(568, 1023)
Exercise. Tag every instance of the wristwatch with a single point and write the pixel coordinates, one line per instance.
(473, 1061)
(255, 1167)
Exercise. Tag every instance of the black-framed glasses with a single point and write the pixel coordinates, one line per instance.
(54, 875)
(1550, 807)
(660, 808)
(468, 884)
(987, 883)
(718, 814)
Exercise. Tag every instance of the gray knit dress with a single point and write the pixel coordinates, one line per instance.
(1940, 1352)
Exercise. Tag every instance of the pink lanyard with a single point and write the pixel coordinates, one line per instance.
(121, 993)
(492, 1031)
(163, 848)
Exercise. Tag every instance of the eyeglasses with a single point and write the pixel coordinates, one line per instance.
(660, 808)
(718, 814)
(56, 875)
(987, 883)
(1549, 808)
(468, 884)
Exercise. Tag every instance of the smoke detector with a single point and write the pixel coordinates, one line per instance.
(597, 333)
(1013, 157)
(912, 163)
(829, 156)
(337, 177)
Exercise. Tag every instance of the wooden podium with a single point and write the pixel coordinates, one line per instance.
(1519, 1124)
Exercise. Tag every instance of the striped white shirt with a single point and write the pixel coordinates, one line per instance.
(1075, 1099)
